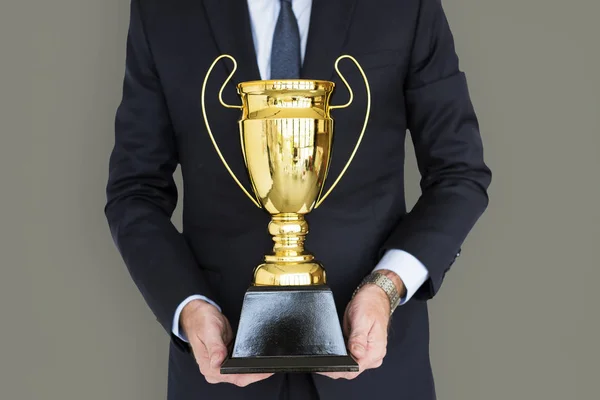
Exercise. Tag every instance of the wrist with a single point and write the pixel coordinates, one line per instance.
(373, 291)
(396, 279)
(193, 308)
(384, 282)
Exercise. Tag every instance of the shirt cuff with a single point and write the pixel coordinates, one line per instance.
(412, 272)
(177, 331)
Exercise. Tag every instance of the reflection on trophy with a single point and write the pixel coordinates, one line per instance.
(289, 322)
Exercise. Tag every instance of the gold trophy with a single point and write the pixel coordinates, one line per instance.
(289, 321)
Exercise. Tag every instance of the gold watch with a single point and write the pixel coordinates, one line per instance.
(386, 284)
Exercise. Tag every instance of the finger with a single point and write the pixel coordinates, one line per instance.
(346, 321)
(216, 377)
(200, 353)
(248, 379)
(376, 347)
(210, 351)
(217, 357)
(227, 333)
(240, 380)
(205, 368)
(340, 375)
(343, 375)
(216, 349)
(358, 337)
(374, 355)
(199, 350)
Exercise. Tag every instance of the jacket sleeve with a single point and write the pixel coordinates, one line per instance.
(141, 192)
(449, 151)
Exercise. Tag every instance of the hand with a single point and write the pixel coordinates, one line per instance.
(209, 334)
(366, 321)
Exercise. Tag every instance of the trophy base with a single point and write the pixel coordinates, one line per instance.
(289, 364)
(289, 329)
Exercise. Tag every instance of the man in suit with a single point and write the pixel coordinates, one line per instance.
(194, 281)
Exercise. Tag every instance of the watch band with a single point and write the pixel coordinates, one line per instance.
(386, 284)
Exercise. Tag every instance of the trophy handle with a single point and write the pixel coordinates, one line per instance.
(364, 127)
(212, 138)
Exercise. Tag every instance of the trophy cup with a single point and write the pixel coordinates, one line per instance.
(289, 321)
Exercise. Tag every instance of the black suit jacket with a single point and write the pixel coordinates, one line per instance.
(407, 51)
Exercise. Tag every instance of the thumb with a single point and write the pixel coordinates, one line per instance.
(217, 351)
(357, 339)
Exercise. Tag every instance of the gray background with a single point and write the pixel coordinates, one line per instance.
(517, 317)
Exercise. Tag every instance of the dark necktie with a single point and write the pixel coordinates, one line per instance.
(285, 54)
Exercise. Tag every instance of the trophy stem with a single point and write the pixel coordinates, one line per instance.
(290, 264)
(288, 230)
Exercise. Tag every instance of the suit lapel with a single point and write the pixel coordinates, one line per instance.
(329, 22)
(230, 23)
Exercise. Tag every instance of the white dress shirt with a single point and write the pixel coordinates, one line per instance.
(263, 18)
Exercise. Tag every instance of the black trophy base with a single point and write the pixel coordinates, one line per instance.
(289, 364)
(289, 329)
